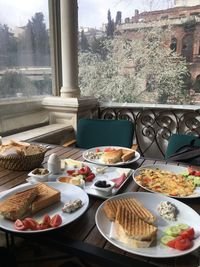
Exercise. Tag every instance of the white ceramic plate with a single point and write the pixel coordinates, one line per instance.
(68, 192)
(109, 174)
(151, 201)
(170, 168)
(98, 161)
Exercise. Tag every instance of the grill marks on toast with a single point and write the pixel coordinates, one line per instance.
(28, 202)
(133, 226)
(132, 205)
(15, 206)
(46, 197)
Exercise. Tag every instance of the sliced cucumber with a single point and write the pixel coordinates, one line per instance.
(166, 238)
(197, 181)
(185, 173)
(183, 226)
(173, 231)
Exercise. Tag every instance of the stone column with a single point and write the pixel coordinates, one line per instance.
(69, 106)
(69, 48)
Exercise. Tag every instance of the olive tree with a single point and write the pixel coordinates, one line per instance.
(140, 70)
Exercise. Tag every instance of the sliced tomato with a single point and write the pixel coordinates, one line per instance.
(97, 150)
(85, 170)
(43, 226)
(19, 225)
(172, 242)
(197, 173)
(30, 223)
(46, 219)
(56, 221)
(183, 244)
(90, 177)
(70, 172)
(191, 171)
(188, 233)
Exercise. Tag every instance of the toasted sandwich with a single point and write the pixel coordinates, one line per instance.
(131, 204)
(46, 196)
(127, 154)
(112, 156)
(17, 205)
(133, 231)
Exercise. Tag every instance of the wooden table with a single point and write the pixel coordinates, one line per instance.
(82, 238)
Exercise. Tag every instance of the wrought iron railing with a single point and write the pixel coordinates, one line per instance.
(154, 124)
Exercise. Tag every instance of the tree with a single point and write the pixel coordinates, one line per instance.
(8, 47)
(84, 42)
(110, 25)
(131, 66)
(118, 19)
(98, 47)
(13, 82)
(35, 41)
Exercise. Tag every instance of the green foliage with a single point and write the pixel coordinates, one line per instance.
(97, 47)
(12, 83)
(84, 42)
(190, 24)
(110, 28)
(35, 41)
(8, 47)
(196, 86)
(43, 86)
(118, 19)
(141, 70)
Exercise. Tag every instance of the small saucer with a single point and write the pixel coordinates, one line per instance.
(104, 190)
(39, 177)
(31, 180)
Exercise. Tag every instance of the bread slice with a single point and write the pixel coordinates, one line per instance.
(127, 154)
(17, 205)
(46, 197)
(133, 231)
(112, 156)
(131, 204)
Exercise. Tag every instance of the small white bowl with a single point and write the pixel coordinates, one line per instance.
(39, 177)
(105, 190)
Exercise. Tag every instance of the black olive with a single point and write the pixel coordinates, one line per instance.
(102, 184)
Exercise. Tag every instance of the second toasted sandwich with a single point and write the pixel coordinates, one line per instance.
(131, 204)
(133, 231)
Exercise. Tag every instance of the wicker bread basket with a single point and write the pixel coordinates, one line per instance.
(23, 162)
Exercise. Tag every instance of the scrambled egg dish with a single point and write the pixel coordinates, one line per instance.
(165, 182)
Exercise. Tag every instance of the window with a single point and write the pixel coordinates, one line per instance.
(173, 45)
(187, 47)
(25, 63)
(119, 63)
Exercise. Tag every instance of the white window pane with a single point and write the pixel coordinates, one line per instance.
(25, 65)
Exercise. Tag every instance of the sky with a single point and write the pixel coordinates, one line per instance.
(18, 12)
(92, 13)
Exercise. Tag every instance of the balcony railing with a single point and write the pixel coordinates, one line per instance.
(154, 124)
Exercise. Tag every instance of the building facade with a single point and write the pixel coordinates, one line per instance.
(184, 21)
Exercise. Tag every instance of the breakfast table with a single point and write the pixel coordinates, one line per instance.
(82, 238)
